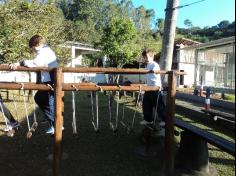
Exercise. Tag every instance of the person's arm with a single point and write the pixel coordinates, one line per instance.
(37, 61)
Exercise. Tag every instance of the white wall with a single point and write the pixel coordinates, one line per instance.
(189, 69)
(78, 77)
(16, 77)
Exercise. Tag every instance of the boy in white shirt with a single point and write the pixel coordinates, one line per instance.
(150, 97)
(45, 57)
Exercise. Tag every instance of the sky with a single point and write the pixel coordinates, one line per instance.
(206, 13)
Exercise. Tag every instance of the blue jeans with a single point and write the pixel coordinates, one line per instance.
(45, 101)
(149, 103)
(161, 106)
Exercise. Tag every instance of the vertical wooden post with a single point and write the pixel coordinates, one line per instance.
(169, 131)
(57, 152)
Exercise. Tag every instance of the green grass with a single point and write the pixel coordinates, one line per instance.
(229, 97)
(90, 154)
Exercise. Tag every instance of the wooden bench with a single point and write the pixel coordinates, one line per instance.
(193, 151)
(211, 138)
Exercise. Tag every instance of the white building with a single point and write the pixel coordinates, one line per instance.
(208, 64)
(78, 50)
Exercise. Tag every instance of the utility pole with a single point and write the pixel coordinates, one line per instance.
(165, 64)
(169, 35)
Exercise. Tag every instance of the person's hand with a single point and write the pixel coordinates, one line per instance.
(13, 66)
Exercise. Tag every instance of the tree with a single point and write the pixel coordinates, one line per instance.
(223, 24)
(160, 25)
(117, 41)
(86, 19)
(143, 18)
(19, 20)
(188, 23)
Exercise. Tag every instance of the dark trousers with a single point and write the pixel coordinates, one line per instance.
(149, 105)
(45, 101)
(6, 111)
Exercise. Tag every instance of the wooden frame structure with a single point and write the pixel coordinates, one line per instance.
(60, 87)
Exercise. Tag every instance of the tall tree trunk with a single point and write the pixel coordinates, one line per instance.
(169, 35)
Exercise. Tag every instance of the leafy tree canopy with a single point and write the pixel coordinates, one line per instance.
(19, 20)
(221, 30)
(118, 41)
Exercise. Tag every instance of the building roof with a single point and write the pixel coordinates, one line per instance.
(212, 44)
(84, 48)
(186, 42)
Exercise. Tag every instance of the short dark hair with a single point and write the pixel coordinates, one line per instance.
(151, 52)
(36, 40)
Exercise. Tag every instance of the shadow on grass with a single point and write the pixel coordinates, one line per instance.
(89, 154)
(96, 154)
(222, 161)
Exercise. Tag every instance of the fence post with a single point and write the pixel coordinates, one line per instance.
(170, 119)
(59, 106)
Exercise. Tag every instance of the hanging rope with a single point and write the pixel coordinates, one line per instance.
(117, 112)
(113, 126)
(8, 129)
(15, 107)
(74, 128)
(123, 116)
(35, 123)
(5, 119)
(29, 133)
(97, 110)
(127, 126)
(95, 126)
(156, 110)
(110, 111)
(51, 88)
(136, 106)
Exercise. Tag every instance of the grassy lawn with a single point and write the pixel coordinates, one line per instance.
(96, 154)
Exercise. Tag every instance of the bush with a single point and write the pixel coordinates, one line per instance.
(229, 97)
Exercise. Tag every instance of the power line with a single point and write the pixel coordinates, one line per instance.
(186, 5)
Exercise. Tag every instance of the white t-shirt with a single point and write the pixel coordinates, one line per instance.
(152, 78)
(45, 57)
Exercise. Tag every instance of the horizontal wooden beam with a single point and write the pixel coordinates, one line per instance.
(5, 67)
(25, 86)
(106, 70)
(114, 70)
(79, 87)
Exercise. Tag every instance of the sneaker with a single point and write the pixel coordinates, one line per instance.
(13, 124)
(8, 128)
(144, 122)
(51, 130)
